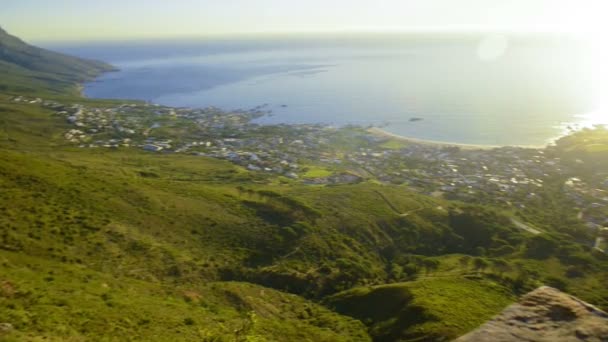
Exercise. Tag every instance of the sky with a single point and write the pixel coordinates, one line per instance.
(43, 20)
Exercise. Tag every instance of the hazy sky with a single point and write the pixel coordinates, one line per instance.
(109, 19)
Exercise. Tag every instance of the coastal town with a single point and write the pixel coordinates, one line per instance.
(514, 178)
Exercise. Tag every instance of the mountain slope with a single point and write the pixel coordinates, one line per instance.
(164, 225)
(429, 309)
(92, 252)
(26, 68)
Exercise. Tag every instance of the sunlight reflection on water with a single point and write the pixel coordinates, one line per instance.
(493, 90)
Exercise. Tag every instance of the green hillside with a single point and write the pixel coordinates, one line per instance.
(138, 244)
(428, 309)
(27, 69)
(163, 225)
(107, 244)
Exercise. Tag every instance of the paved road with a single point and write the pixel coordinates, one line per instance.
(598, 243)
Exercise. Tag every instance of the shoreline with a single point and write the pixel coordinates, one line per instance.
(379, 132)
(382, 133)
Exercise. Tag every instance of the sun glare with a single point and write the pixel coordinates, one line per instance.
(594, 32)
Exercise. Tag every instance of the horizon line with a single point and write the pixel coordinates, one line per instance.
(307, 34)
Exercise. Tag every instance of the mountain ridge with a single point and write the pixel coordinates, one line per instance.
(31, 68)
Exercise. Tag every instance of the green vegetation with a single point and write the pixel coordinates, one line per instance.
(317, 172)
(426, 309)
(586, 151)
(72, 302)
(394, 144)
(120, 244)
(149, 227)
(28, 70)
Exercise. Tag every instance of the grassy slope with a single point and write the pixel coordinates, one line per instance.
(63, 302)
(155, 226)
(188, 203)
(426, 309)
(173, 223)
(159, 221)
(455, 297)
(30, 70)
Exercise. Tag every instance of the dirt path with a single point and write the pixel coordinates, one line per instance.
(394, 208)
(598, 243)
(525, 227)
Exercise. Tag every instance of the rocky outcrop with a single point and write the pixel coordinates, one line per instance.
(545, 314)
(5, 328)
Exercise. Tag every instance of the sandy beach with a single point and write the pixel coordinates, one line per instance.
(382, 133)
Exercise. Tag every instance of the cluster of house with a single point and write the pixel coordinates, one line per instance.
(504, 175)
(280, 152)
(27, 100)
(594, 199)
(207, 132)
(581, 192)
(457, 173)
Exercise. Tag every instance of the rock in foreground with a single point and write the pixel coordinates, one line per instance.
(545, 314)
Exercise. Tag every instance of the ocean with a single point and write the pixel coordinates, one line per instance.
(472, 89)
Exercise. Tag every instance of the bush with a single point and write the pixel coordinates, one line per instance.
(541, 246)
(574, 272)
(480, 264)
(502, 250)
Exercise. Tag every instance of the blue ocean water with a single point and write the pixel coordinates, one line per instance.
(496, 90)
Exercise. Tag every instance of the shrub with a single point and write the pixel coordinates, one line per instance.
(558, 283)
(502, 250)
(480, 264)
(574, 272)
(541, 246)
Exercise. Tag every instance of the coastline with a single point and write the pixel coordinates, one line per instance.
(385, 134)
(379, 132)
